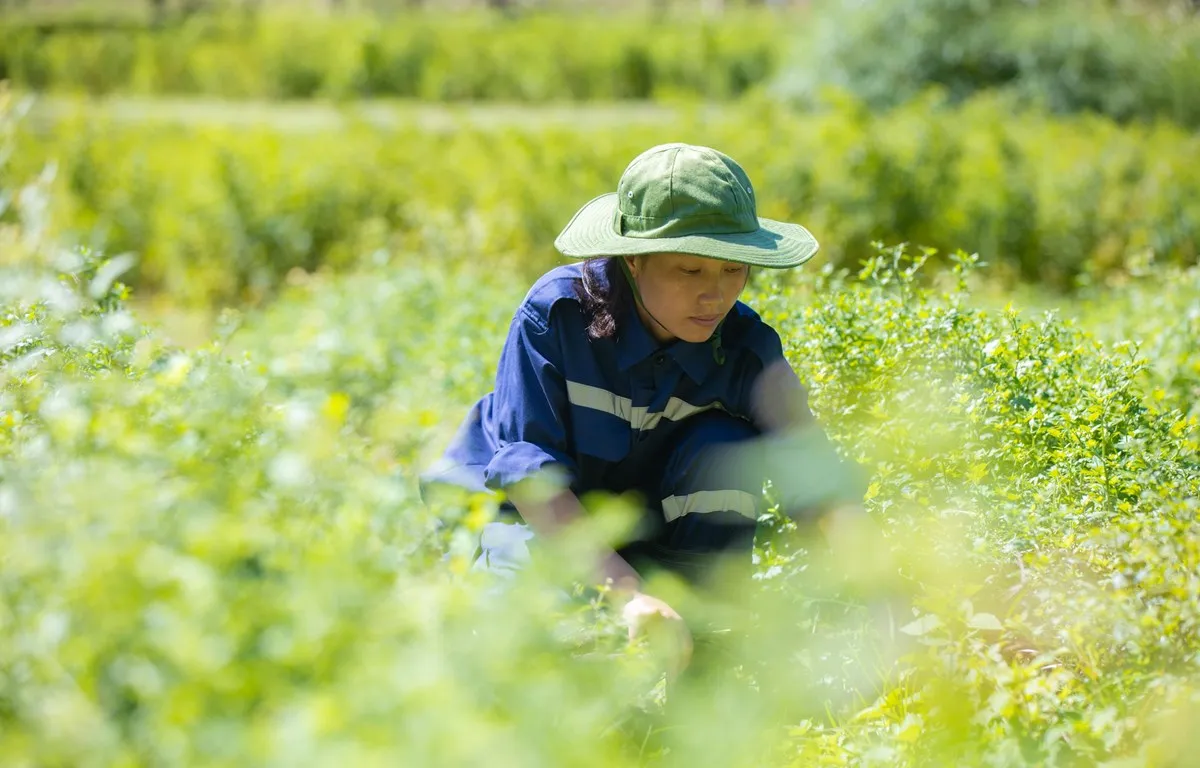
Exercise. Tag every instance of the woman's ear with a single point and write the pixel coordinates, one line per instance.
(633, 263)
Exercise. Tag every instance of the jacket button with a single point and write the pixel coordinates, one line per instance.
(660, 359)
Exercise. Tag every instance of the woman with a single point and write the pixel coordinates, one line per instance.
(637, 369)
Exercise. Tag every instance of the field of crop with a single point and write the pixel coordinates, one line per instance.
(233, 333)
(221, 211)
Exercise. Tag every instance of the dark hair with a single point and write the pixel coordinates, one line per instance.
(604, 301)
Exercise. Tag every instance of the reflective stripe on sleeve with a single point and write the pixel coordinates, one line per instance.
(701, 502)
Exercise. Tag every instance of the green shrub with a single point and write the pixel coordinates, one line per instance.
(1031, 456)
(218, 214)
(1158, 315)
(1068, 57)
(446, 57)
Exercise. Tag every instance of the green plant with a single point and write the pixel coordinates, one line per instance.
(218, 214)
(451, 57)
(1113, 59)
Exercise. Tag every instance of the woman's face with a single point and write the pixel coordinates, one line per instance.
(686, 295)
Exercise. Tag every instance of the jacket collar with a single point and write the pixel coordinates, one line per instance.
(635, 344)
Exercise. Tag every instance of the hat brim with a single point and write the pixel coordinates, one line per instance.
(775, 244)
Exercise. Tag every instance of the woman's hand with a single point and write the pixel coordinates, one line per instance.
(664, 627)
(778, 400)
(842, 522)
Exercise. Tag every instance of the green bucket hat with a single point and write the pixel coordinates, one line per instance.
(687, 199)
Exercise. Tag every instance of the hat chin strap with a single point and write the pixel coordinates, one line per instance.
(715, 339)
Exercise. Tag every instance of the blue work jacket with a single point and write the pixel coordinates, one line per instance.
(598, 410)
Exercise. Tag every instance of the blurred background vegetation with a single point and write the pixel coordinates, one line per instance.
(256, 258)
(1057, 139)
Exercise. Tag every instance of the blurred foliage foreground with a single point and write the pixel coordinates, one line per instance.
(218, 556)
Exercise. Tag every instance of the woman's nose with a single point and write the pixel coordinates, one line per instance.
(712, 293)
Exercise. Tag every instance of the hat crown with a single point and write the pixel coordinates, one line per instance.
(676, 190)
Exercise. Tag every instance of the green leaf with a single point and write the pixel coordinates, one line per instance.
(921, 626)
(984, 621)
